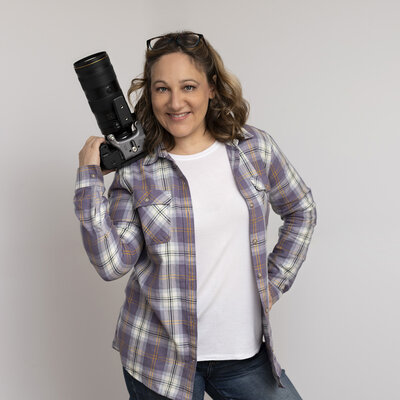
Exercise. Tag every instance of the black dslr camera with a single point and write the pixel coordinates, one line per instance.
(124, 134)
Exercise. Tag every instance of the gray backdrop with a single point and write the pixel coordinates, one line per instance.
(322, 77)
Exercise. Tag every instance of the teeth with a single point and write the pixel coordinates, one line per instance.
(179, 115)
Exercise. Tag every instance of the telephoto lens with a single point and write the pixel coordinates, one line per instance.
(101, 87)
(124, 134)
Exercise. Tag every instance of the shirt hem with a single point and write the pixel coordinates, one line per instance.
(226, 357)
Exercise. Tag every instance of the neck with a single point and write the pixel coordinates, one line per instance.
(192, 145)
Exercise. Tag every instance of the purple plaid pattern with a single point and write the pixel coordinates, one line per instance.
(146, 227)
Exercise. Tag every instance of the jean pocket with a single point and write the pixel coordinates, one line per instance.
(258, 359)
(243, 367)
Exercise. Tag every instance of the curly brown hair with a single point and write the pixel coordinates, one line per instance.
(227, 111)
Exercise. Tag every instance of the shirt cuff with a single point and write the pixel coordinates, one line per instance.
(89, 175)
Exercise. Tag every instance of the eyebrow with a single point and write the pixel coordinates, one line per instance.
(181, 81)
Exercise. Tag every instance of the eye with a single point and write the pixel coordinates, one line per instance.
(189, 88)
(161, 89)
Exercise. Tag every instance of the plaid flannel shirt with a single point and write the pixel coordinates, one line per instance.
(146, 227)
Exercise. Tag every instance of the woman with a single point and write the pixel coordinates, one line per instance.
(188, 222)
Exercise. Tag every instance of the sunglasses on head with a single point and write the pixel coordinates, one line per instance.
(187, 40)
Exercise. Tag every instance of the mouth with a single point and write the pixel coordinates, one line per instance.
(178, 117)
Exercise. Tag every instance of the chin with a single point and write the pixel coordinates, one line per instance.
(179, 133)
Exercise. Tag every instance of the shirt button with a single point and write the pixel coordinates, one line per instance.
(251, 205)
(260, 275)
(146, 199)
(93, 176)
(254, 241)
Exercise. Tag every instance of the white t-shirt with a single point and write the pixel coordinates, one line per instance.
(228, 303)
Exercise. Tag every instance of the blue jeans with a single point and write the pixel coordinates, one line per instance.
(249, 379)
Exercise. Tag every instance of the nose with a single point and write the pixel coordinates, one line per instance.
(176, 100)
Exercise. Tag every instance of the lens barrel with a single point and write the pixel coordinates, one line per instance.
(101, 87)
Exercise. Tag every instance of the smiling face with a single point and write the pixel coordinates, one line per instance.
(180, 94)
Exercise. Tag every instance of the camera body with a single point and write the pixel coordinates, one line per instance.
(115, 154)
(123, 132)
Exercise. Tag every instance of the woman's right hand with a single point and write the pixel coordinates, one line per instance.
(90, 153)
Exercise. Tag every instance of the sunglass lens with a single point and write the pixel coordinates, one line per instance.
(159, 42)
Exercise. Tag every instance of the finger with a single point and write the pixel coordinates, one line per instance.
(97, 141)
(90, 139)
(94, 139)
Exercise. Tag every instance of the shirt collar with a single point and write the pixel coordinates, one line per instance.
(161, 152)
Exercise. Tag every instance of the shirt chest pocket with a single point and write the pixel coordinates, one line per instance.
(260, 189)
(154, 209)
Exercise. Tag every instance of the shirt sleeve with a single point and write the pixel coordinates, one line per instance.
(292, 200)
(110, 228)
